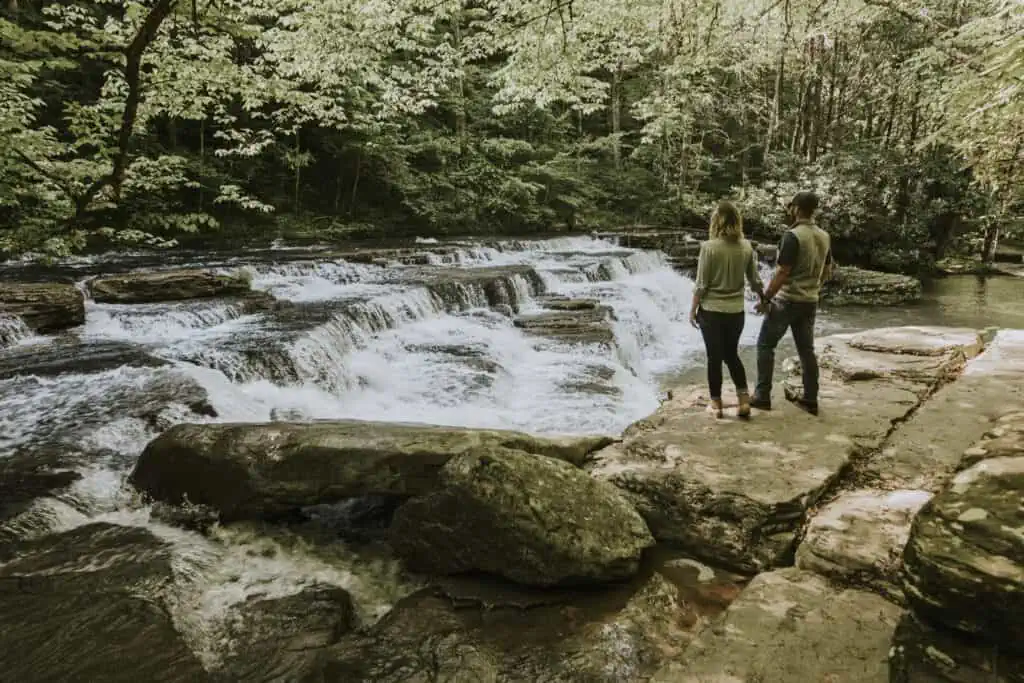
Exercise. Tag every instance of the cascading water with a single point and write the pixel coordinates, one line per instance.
(431, 343)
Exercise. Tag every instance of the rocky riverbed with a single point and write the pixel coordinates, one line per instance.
(162, 525)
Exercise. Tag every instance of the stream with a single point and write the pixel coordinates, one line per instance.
(365, 342)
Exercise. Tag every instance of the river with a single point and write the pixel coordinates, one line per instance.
(365, 342)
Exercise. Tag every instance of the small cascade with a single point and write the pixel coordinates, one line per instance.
(308, 281)
(13, 330)
(156, 323)
(320, 356)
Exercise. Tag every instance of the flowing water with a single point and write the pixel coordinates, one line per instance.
(400, 343)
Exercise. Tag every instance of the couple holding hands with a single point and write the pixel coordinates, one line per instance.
(790, 302)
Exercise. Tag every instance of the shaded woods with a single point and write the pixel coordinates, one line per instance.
(175, 121)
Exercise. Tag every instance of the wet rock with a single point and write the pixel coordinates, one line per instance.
(858, 287)
(93, 590)
(617, 634)
(791, 625)
(923, 654)
(200, 518)
(281, 640)
(534, 520)
(964, 562)
(562, 303)
(166, 285)
(43, 306)
(584, 325)
(858, 538)
(27, 476)
(365, 518)
(735, 496)
(264, 470)
(60, 357)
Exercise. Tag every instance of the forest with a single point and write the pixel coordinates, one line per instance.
(144, 124)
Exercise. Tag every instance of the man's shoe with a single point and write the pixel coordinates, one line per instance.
(807, 406)
(761, 403)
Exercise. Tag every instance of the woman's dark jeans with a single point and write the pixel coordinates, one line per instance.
(721, 332)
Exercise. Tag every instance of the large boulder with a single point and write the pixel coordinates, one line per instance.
(852, 286)
(528, 518)
(266, 470)
(167, 285)
(735, 494)
(964, 562)
(924, 654)
(620, 633)
(791, 625)
(95, 591)
(858, 538)
(43, 306)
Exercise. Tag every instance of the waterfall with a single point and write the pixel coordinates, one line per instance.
(430, 339)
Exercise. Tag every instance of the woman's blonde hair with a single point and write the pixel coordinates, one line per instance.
(726, 222)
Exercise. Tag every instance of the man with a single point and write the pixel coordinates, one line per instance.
(791, 301)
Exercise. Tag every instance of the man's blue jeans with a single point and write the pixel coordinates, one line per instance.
(782, 316)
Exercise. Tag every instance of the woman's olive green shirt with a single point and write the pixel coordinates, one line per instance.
(722, 267)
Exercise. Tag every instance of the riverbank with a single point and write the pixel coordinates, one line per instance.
(323, 543)
(734, 541)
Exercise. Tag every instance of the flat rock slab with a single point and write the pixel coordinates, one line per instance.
(584, 325)
(43, 306)
(84, 606)
(733, 492)
(858, 538)
(622, 633)
(919, 340)
(917, 354)
(788, 626)
(531, 519)
(964, 562)
(924, 452)
(923, 654)
(166, 285)
(264, 470)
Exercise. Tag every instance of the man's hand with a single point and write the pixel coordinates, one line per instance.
(693, 318)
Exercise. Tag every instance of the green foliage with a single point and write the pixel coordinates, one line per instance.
(254, 117)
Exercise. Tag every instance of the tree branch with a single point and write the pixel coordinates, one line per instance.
(49, 175)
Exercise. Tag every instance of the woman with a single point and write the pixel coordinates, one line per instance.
(726, 259)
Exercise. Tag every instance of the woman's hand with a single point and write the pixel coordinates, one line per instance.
(693, 318)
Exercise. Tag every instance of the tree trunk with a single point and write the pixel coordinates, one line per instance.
(355, 183)
(460, 90)
(616, 117)
(132, 76)
(780, 76)
(298, 172)
(202, 159)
